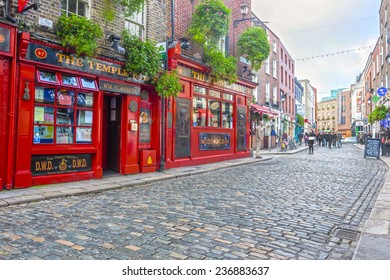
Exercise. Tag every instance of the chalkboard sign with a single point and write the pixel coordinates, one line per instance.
(372, 148)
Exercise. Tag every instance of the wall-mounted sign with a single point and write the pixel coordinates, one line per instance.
(59, 164)
(119, 88)
(70, 61)
(5, 39)
(382, 91)
(214, 141)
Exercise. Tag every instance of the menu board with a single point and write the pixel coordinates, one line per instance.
(372, 148)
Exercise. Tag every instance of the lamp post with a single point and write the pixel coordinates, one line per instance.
(244, 11)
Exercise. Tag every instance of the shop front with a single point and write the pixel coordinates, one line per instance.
(7, 102)
(78, 117)
(208, 121)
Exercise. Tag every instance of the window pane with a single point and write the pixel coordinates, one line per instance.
(47, 77)
(214, 93)
(199, 111)
(65, 97)
(88, 83)
(72, 4)
(199, 90)
(82, 8)
(85, 100)
(84, 117)
(69, 80)
(65, 116)
(227, 115)
(83, 135)
(215, 113)
(43, 134)
(228, 96)
(43, 115)
(64, 135)
(44, 95)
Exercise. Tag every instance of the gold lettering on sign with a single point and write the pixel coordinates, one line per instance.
(43, 166)
(199, 76)
(67, 59)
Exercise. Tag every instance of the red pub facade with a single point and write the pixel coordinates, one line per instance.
(66, 118)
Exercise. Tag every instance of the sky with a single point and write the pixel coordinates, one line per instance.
(311, 28)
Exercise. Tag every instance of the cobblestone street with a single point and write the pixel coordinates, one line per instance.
(300, 206)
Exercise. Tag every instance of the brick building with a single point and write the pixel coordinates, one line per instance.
(83, 118)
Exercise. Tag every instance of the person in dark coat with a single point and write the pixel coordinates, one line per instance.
(310, 142)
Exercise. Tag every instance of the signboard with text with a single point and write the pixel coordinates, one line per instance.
(372, 147)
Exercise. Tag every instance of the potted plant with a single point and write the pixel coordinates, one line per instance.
(79, 33)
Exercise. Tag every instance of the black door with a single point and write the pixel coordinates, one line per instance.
(113, 109)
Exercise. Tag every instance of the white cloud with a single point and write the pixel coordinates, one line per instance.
(310, 28)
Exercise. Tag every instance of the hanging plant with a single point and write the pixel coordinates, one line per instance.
(79, 33)
(378, 114)
(300, 120)
(254, 46)
(168, 84)
(209, 22)
(130, 7)
(142, 57)
(222, 68)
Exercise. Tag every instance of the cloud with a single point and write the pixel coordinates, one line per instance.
(310, 28)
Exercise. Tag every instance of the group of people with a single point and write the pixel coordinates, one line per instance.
(323, 139)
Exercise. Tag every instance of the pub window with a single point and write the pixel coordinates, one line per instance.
(199, 111)
(214, 117)
(227, 115)
(199, 90)
(47, 77)
(88, 83)
(227, 96)
(63, 115)
(67, 80)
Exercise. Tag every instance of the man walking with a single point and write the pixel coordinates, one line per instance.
(310, 142)
(259, 138)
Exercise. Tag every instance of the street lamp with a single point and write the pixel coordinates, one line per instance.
(244, 11)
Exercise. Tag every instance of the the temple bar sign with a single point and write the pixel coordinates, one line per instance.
(119, 88)
(45, 54)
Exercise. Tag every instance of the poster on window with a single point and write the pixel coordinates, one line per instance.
(182, 143)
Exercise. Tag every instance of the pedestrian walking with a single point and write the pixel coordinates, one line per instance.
(310, 142)
(259, 138)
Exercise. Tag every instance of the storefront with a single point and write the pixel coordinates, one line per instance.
(207, 122)
(80, 118)
(7, 102)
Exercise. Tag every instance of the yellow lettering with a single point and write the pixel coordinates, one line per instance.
(60, 57)
(99, 66)
(37, 166)
(79, 62)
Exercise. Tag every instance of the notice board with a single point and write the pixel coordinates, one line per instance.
(372, 147)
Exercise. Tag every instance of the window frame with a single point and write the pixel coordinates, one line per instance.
(212, 95)
(70, 114)
(87, 8)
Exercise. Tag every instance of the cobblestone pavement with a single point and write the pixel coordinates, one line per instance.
(299, 206)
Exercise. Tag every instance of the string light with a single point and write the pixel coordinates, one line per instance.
(332, 54)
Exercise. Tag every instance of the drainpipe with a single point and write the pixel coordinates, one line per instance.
(12, 113)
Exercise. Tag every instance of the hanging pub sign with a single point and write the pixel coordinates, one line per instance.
(372, 147)
(45, 54)
(5, 39)
(60, 164)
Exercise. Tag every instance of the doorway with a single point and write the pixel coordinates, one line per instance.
(111, 134)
